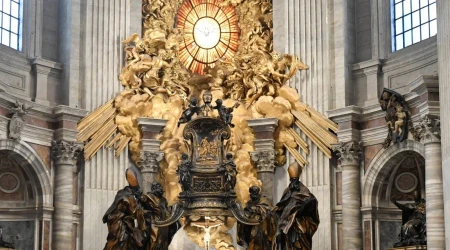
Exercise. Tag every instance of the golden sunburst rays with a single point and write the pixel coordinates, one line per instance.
(210, 33)
(98, 127)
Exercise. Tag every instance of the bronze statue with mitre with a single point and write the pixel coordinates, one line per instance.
(298, 216)
(121, 216)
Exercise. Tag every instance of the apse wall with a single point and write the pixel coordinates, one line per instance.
(302, 28)
(105, 24)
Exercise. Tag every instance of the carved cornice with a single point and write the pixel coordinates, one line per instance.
(65, 152)
(264, 159)
(348, 152)
(427, 130)
(150, 160)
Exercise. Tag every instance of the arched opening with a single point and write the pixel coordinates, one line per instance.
(26, 199)
(394, 174)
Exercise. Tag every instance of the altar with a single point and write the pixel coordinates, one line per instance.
(207, 117)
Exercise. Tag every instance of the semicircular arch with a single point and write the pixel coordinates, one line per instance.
(379, 168)
(26, 156)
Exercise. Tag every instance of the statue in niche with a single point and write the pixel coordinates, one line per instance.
(230, 173)
(297, 213)
(397, 118)
(189, 112)
(156, 207)
(413, 231)
(184, 173)
(225, 114)
(258, 237)
(121, 216)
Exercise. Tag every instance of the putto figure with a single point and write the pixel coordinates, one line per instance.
(413, 231)
(397, 118)
(225, 114)
(298, 217)
(121, 216)
(189, 112)
(258, 237)
(184, 173)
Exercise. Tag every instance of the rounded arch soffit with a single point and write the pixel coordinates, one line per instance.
(379, 169)
(23, 153)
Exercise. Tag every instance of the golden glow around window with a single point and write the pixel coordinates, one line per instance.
(210, 33)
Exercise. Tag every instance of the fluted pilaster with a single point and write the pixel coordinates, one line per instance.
(349, 157)
(64, 155)
(443, 46)
(429, 133)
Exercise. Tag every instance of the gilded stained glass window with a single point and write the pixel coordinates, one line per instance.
(210, 33)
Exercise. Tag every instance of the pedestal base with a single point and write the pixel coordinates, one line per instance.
(418, 247)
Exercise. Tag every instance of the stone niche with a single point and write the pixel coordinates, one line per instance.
(19, 233)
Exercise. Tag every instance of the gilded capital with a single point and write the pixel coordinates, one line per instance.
(264, 159)
(348, 152)
(150, 160)
(65, 152)
(427, 130)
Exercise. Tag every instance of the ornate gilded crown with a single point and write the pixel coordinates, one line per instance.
(294, 170)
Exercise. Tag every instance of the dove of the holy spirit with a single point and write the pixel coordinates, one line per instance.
(207, 32)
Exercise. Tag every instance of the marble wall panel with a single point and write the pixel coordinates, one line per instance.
(44, 153)
(388, 233)
(369, 153)
(19, 233)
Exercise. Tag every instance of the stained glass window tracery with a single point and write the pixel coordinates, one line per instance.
(210, 33)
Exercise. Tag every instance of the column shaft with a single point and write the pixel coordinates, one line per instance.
(349, 158)
(434, 196)
(62, 220)
(148, 177)
(351, 208)
(267, 187)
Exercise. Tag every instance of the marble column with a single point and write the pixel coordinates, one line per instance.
(264, 154)
(265, 160)
(64, 156)
(430, 136)
(348, 153)
(150, 155)
(443, 48)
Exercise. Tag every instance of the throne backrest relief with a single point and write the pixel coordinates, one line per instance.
(206, 136)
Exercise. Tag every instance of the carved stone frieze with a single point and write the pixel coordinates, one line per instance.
(427, 130)
(17, 120)
(264, 159)
(65, 152)
(348, 152)
(150, 161)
